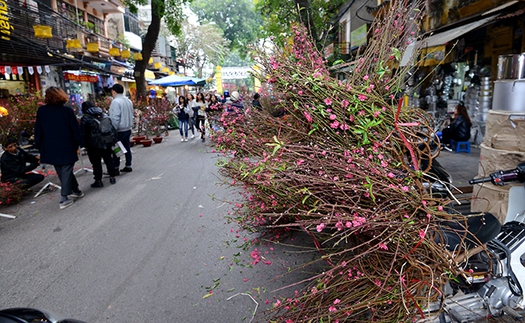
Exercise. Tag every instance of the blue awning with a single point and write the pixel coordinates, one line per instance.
(175, 80)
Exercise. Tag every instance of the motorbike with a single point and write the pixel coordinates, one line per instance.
(493, 280)
(31, 315)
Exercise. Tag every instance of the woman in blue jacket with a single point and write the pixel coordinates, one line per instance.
(58, 138)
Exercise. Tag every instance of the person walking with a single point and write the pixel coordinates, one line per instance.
(121, 114)
(96, 148)
(214, 112)
(14, 165)
(58, 138)
(182, 113)
(190, 99)
(199, 113)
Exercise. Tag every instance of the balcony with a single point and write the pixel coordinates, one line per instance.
(21, 45)
(105, 6)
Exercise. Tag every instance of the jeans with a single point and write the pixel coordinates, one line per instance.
(192, 125)
(68, 181)
(183, 128)
(124, 137)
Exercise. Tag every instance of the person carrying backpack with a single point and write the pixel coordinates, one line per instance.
(99, 137)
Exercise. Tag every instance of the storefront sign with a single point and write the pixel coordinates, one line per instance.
(5, 25)
(81, 78)
(358, 36)
(433, 55)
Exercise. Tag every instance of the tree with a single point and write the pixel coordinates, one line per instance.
(317, 15)
(169, 11)
(236, 18)
(202, 44)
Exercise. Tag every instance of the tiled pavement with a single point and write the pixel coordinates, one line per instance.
(462, 166)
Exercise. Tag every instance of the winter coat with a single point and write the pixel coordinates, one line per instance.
(57, 135)
(14, 167)
(87, 123)
(460, 129)
(121, 113)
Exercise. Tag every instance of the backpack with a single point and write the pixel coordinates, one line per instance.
(103, 134)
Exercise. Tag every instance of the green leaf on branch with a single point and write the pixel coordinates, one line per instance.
(276, 146)
(396, 53)
(368, 186)
(315, 127)
(381, 70)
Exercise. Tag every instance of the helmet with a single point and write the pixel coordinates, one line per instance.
(235, 96)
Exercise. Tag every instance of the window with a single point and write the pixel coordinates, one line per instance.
(95, 24)
(70, 12)
(131, 23)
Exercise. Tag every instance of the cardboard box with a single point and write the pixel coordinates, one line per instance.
(505, 130)
(492, 199)
(491, 159)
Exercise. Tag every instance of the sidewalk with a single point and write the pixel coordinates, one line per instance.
(462, 167)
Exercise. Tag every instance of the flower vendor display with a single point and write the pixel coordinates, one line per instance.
(344, 165)
(19, 114)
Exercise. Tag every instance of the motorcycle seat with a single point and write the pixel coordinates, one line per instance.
(475, 230)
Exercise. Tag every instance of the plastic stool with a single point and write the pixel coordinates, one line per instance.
(461, 146)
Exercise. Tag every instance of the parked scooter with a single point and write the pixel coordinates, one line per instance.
(31, 315)
(494, 277)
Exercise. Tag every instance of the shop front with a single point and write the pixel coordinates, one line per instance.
(80, 86)
(18, 80)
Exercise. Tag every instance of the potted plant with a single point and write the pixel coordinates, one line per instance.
(159, 117)
(146, 142)
(142, 112)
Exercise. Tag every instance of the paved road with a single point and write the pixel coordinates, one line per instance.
(143, 250)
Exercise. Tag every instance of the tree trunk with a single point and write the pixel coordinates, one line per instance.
(157, 12)
(303, 6)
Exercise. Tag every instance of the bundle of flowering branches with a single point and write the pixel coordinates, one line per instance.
(344, 165)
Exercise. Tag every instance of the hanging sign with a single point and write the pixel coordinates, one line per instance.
(14, 70)
(81, 78)
(5, 25)
(39, 69)
(2, 69)
(47, 69)
(30, 70)
(20, 70)
(8, 70)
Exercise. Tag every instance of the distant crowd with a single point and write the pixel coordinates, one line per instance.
(59, 136)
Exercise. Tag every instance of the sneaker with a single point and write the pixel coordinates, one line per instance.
(97, 184)
(112, 180)
(126, 169)
(181, 139)
(192, 136)
(76, 195)
(186, 139)
(66, 203)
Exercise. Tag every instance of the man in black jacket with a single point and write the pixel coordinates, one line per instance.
(14, 167)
